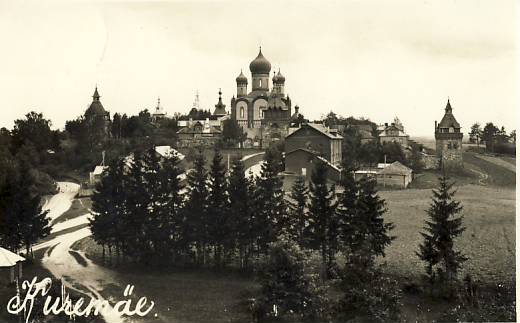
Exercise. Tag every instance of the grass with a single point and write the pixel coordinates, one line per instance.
(181, 295)
(489, 239)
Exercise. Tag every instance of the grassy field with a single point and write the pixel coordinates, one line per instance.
(489, 239)
(486, 190)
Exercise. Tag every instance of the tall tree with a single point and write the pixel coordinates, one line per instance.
(34, 129)
(108, 207)
(270, 207)
(195, 223)
(27, 210)
(489, 136)
(240, 212)
(218, 215)
(437, 250)
(171, 201)
(297, 220)
(475, 134)
(323, 225)
(371, 208)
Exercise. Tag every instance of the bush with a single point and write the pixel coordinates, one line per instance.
(288, 290)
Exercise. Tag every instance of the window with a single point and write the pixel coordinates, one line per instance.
(304, 171)
(449, 145)
(241, 112)
(451, 129)
(260, 83)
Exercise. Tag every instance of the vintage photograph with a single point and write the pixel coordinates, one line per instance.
(258, 161)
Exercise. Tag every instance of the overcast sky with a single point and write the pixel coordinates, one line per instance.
(376, 59)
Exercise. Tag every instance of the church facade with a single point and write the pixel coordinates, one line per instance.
(264, 112)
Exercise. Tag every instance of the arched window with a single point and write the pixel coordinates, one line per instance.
(241, 112)
(260, 83)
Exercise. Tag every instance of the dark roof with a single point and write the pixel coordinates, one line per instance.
(320, 128)
(396, 168)
(95, 108)
(220, 108)
(241, 78)
(449, 121)
(260, 65)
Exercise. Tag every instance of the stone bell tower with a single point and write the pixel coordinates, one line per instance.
(448, 139)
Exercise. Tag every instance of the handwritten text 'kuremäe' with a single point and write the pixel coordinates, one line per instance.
(77, 308)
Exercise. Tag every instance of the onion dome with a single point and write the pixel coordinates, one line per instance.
(96, 108)
(280, 77)
(275, 78)
(241, 79)
(260, 65)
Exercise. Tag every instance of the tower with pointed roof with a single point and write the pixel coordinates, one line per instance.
(448, 140)
(265, 112)
(220, 108)
(97, 118)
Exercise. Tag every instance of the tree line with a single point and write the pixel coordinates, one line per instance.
(224, 219)
(495, 139)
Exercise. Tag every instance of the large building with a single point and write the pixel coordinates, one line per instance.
(393, 132)
(448, 140)
(263, 113)
(310, 143)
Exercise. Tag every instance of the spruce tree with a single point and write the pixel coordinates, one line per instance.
(323, 225)
(270, 207)
(371, 209)
(195, 223)
(27, 209)
(297, 220)
(437, 250)
(108, 207)
(171, 201)
(218, 215)
(155, 229)
(240, 212)
(137, 203)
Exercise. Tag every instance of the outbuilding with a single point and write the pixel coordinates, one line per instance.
(10, 266)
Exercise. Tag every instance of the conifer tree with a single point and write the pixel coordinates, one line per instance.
(297, 220)
(195, 223)
(323, 225)
(437, 250)
(240, 212)
(218, 215)
(137, 202)
(155, 230)
(371, 209)
(171, 201)
(108, 207)
(32, 221)
(270, 207)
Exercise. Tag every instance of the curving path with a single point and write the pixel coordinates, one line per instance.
(62, 261)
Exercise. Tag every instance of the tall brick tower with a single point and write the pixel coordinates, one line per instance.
(448, 139)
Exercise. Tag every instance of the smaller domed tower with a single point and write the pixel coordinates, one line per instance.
(241, 85)
(448, 140)
(278, 84)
